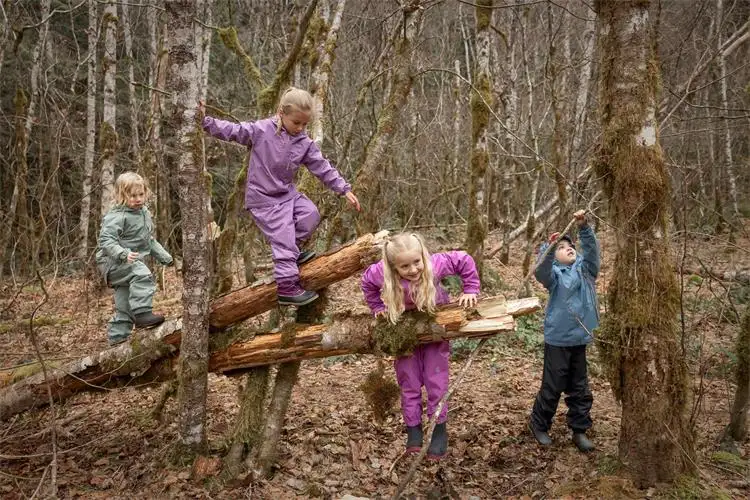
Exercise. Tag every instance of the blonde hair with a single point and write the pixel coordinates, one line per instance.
(294, 99)
(422, 292)
(125, 184)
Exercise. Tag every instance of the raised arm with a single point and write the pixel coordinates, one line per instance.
(543, 270)
(372, 284)
(241, 133)
(590, 247)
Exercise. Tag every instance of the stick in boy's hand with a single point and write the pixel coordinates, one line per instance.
(580, 217)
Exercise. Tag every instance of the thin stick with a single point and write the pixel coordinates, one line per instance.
(53, 424)
(433, 421)
(541, 258)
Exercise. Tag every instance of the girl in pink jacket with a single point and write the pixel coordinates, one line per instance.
(407, 278)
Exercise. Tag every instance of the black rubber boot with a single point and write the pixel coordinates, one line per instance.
(439, 443)
(583, 443)
(147, 319)
(413, 439)
(541, 436)
(304, 256)
(301, 299)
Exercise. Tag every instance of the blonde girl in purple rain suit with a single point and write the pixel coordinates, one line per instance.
(407, 278)
(279, 145)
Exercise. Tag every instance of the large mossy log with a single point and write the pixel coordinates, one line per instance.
(321, 272)
(150, 355)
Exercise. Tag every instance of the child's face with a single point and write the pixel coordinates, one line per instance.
(565, 253)
(295, 121)
(409, 264)
(136, 198)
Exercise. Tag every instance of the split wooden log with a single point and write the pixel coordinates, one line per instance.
(321, 272)
(150, 356)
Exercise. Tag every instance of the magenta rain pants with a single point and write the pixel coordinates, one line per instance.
(427, 366)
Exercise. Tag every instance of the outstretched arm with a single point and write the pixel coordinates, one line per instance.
(241, 133)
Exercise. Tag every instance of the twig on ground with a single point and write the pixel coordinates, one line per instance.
(53, 432)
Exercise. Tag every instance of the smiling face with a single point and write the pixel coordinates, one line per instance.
(409, 264)
(565, 253)
(294, 121)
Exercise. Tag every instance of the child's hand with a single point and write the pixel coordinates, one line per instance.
(380, 314)
(553, 238)
(201, 109)
(467, 300)
(132, 257)
(353, 201)
(580, 217)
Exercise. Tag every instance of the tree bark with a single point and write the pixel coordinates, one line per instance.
(153, 354)
(194, 185)
(108, 133)
(367, 183)
(88, 161)
(737, 428)
(134, 119)
(318, 273)
(481, 104)
(639, 337)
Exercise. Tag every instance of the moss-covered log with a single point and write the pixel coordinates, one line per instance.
(151, 354)
(318, 273)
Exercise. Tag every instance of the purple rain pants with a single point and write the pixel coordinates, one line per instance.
(286, 226)
(427, 366)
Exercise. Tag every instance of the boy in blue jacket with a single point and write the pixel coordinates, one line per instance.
(572, 315)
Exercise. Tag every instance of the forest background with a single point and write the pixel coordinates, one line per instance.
(482, 124)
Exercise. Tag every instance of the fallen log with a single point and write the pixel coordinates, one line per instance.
(150, 356)
(321, 272)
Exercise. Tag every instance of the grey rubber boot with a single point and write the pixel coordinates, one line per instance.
(413, 439)
(582, 442)
(439, 443)
(146, 319)
(541, 436)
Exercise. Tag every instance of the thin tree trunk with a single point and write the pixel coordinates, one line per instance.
(481, 105)
(108, 133)
(183, 81)
(639, 336)
(25, 108)
(368, 180)
(582, 97)
(728, 161)
(132, 101)
(88, 162)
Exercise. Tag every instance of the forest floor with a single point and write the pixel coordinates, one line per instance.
(109, 446)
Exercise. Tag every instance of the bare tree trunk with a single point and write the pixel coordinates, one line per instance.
(183, 80)
(25, 108)
(368, 181)
(639, 337)
(509, 98)
(320, 87)
(728, 161)
(584, 82)
(88, 162)
(134, 119)
(108, 133)
(481, 105)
